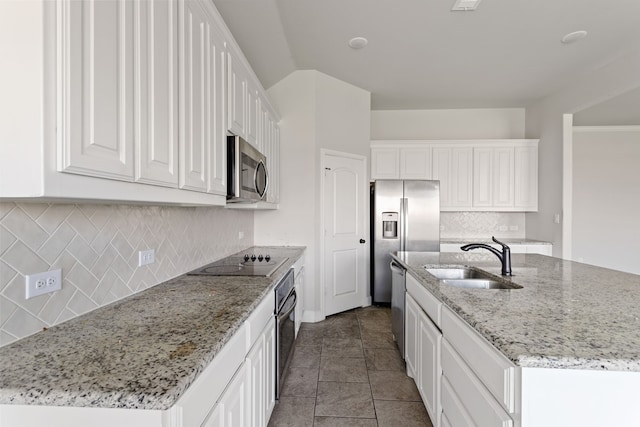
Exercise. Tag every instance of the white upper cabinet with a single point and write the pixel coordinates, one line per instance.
(202, 127)
(526, 177)
(415, 163)
(156, 100)
(474, 175)
(493, 178)
(237, 81)
(126, 101)
(400, 162)
(97, 99)
(385, 163)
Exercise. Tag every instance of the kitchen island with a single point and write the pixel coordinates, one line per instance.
(571, 333)
(143, 352)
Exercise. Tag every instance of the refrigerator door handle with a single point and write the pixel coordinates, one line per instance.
(404, 214)
(396, 268)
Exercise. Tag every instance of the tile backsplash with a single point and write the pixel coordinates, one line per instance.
(482, 224)
(97, 248)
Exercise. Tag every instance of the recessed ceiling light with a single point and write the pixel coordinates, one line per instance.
(574, 37)
(465, 5)
(358, 42)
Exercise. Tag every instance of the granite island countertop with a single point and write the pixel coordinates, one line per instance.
(142, 352)
(567, 315)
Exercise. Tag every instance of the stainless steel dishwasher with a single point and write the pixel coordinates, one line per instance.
(398, 289)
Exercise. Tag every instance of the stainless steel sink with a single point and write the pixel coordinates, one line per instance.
(480, 284)
(463, 277)
(457, 273)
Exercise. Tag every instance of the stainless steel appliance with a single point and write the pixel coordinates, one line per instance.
(286, 300)
(241, 265)
(398, 289)
(247, 175)
(405, 216)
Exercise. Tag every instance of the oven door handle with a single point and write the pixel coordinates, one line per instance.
(286, 314)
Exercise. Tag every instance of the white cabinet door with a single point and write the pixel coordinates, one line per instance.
(97, 80)
(503, 184)
(415, 163)
(257, 369)
(526, 178)
(429, 370)
(270, 370)
(156, 103)
(195, 95)
(453, 167)
(385, 163)
(235, 402)
(482, 177)
(217, 166)
(411, 340)
(237, 82)
(262, 368)
(253, 116)
(493, 177)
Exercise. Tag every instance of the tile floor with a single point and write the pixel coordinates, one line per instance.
(347, 371)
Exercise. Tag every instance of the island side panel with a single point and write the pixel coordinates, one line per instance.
(579, 397)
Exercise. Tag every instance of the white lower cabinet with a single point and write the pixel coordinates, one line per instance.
(233, 408)
(262, 377)
(462, 380)
(425, 348)
(475, 406)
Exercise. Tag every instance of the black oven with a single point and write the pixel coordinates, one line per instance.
(247, 175)
(286, 299)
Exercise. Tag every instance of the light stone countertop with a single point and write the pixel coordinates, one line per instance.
(567, 315)
(141, 352)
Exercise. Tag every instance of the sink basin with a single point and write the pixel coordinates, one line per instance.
(480, 284)
(457, 273)
(463, 277)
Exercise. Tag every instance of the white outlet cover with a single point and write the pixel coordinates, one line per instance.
(42, 283)
(146, 257)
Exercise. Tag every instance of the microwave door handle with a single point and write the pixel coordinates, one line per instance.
(266, 179)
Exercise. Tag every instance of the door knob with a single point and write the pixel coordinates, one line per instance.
(363, 241)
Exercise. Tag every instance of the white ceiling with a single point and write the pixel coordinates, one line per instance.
(421, 55)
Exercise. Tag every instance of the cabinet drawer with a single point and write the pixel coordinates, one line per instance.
(459, 381)
(495, 371)
(259, 319)
(453, 412)
(425, 299)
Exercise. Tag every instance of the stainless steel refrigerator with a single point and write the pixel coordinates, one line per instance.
(405, 216)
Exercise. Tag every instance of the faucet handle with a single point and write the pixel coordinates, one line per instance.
(500, 243)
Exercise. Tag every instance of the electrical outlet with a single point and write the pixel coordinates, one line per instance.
(146, 257)
(502, 228)
(513, 228)
(240, 235)
(43, 283)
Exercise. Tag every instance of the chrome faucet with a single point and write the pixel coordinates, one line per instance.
(504, 256)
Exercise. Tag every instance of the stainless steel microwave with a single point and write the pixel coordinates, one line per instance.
(247, 175)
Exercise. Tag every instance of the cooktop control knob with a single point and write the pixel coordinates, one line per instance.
(253, 258)
(260, 257)
(246, 258)
(267, 257)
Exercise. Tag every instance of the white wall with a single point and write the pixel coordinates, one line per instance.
(544, 121)
(606, 183)
(471, 123)
(97, 248)
(317, 111)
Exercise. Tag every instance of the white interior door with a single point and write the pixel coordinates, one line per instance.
(344, 219)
